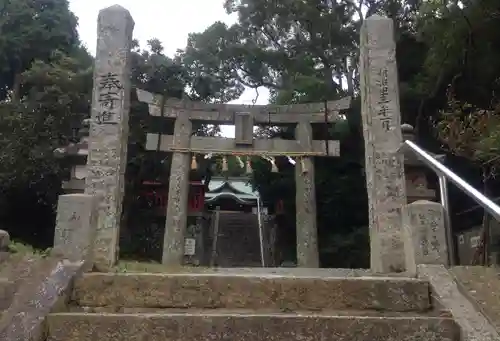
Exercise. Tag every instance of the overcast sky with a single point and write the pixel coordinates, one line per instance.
(168, 20)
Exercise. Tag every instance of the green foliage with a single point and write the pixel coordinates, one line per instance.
(302, 51)
(31, 30)
(28, 250)
(58, 95)
(463, 65)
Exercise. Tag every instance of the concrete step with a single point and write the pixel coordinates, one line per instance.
(250, 291)
(217, 326)
(175, 311)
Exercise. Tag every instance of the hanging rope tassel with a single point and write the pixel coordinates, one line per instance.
(194, 163)
(225, 167)
(249, 169)
(274, 168)
(303, 165)
(240, 161)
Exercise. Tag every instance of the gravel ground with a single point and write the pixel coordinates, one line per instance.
(482, 286)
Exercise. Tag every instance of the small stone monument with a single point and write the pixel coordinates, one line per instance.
(76, 224)
(424, 234)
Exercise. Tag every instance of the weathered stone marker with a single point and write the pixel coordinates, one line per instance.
(424, 234)
(76, 226)
(109, 128)
(382, 134)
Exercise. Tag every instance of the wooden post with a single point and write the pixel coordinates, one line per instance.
(178, 191)
(305, 202)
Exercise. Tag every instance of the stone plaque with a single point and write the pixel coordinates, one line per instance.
(243, 128)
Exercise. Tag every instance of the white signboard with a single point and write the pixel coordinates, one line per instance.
(474, 241)
(189, 247)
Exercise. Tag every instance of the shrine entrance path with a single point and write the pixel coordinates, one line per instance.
(144, 267)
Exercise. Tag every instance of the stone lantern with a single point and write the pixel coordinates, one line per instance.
(416, 171)
(75, 155)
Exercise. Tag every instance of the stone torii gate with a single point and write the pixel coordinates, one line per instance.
(109, 133)
(182, 144)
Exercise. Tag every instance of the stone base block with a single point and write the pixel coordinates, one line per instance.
(76, 227)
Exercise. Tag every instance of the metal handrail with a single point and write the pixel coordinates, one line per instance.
(444, 175)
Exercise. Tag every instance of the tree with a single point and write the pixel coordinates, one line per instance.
(31, 30)
(45, 85)
(307, 51)
(303, 52)
(57, 95)
(154, 72)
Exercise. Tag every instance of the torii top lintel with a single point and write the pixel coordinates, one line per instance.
(319, 112)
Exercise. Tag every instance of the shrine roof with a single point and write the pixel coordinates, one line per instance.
(239, 187)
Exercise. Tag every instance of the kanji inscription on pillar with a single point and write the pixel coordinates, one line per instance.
(382, 133)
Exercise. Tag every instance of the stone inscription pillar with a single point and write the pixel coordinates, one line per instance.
(109, 128)
(178, 191)
(382, 134)
(305, 202)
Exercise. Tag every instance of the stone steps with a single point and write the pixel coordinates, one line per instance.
(256, 326)
(249, 291)
(238, 241)
(263, 311)
(248, 305)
